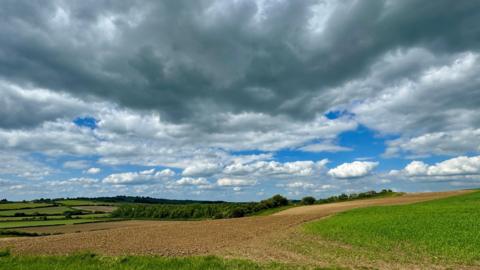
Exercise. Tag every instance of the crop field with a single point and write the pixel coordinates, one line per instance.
(20, 224)
(85, 227)
(446, 229)
(32, 218)
(45, 214)
(371, 236)
(55, 210)
(91, 262)
(13, 206)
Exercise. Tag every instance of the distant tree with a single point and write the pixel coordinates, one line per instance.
(279, 200)
(309, 200)
(4, 201)
(70, 213)
(237, 212)
(197, 210)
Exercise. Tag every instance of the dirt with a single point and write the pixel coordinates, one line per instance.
(321, 209)
(247, 237)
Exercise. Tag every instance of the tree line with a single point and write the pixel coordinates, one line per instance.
(347, 197)
(196, 210)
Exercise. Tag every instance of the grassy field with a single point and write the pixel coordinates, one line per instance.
(36, 223)
(21, 205)
(33, 218)
(57, 210)
(442, 230)
(92, 262)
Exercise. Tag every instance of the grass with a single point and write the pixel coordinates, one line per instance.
(36, 223)
(13, 206)
(443, 230)
(89, 261)
(38, 218)
(58, 210)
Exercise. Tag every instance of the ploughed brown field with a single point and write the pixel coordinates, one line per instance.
(248, 237)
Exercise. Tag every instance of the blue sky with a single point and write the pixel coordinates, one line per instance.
(238, 100)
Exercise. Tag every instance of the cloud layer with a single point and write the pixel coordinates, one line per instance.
(219, 97)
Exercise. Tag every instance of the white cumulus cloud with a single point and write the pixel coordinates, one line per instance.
(324, 147)
(458, 166)
(201, 169)
(94, 170)
(138, 178)
(189, 181)
(235, 182)
(353, 170)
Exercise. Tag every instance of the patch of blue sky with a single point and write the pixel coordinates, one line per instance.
(364, 143)
(87, 121)
(337, 114)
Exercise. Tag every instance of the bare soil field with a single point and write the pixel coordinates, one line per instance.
(343, 206)
(247, 237)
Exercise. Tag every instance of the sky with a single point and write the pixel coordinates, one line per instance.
(238, 100)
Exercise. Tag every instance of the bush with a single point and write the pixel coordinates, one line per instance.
(20, 233)
(309, 200)
(354, 196)
(70, 213)
(237, 212)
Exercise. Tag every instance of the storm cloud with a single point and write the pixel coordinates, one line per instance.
(188, 58)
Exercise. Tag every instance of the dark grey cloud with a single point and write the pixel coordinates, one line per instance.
(26, 107)
(189, 59)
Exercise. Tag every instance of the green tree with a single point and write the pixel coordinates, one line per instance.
(309, 200)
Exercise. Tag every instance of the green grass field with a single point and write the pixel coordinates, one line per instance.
(2, 219)
(91, 262)
(36, 223)
(19, 205)
(445, 230)
(57, 210)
